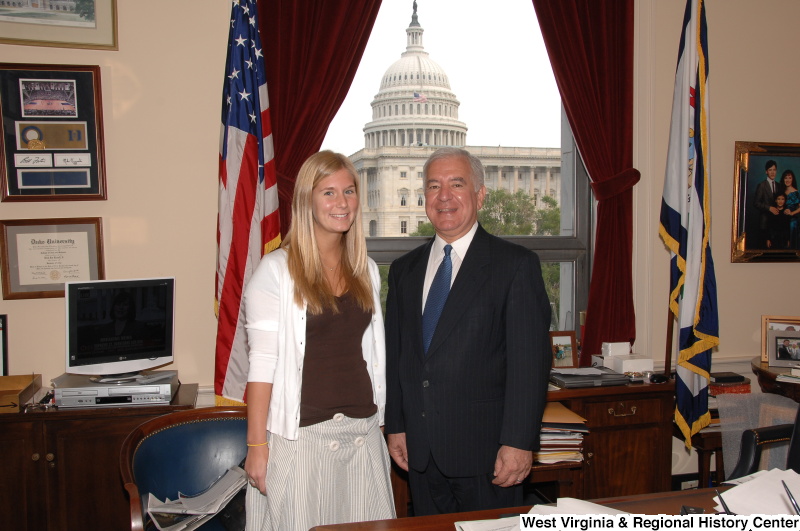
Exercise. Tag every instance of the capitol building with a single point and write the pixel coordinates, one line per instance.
(414, 113)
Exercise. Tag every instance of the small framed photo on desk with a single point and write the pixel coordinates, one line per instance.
(565, 351)
(783, 347)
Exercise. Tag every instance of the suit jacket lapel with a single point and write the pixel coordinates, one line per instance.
(416, 272)
(467, 285)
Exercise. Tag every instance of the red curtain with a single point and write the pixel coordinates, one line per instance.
(312, 49)
(590, 44)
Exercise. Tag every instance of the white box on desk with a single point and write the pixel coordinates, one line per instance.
(598, 360)
(631, 363)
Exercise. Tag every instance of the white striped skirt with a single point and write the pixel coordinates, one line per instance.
(336, 472)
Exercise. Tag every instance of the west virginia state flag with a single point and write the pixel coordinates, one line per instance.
(686, 225)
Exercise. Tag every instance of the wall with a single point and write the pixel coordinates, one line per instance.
(161, 95)
(161, 103)
(751, 88)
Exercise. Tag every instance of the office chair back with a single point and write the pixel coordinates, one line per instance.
(185, 451)
(755, 440)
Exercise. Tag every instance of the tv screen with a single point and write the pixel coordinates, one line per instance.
(119, 327)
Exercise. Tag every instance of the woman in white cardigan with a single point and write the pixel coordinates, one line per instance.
(316, 387)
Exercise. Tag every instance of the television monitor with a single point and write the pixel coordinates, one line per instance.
(118, 328)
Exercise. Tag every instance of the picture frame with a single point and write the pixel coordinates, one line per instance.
(42, 26)
(564, 348)
(51, 143)
(783, 348)
(772, 323)
(4, 345)
(37, 256)
(754, 227)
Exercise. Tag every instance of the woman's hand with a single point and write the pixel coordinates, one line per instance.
(256, 467)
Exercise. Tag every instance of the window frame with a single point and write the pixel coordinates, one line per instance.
(576, 248)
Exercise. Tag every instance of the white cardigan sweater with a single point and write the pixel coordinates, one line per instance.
(276, 333)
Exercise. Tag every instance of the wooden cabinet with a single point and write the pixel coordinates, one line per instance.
(629, 446)
(61, 468)
(628, 449)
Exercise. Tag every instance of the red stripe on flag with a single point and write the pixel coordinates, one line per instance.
(233, 284)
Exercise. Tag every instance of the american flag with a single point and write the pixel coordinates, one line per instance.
(420, 97)
(248, 224)
(686, 225)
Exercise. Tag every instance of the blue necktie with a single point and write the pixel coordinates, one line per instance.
(437, 296)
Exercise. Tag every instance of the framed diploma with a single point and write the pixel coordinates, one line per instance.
(51, 146)
(40, 255)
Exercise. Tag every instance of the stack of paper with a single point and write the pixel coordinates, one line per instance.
(190, 512)
(563, 506)
(561, 438)
(762, 493)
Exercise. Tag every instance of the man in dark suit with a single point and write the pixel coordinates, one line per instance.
(463, 414)
(764, 202)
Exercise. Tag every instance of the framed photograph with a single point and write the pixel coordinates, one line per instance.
(565, 351)
(766, 203)
(783, 348)
(37, 256)
(81, 24)
(771, 323)
(4, 344)
(51, 147)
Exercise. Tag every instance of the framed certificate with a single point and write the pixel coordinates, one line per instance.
(40, 255)
(52, 133)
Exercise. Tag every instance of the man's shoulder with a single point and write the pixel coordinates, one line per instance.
(501, 246)
(413, 254)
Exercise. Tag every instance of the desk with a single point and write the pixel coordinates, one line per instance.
(628, 449)
(61, 467)
(652, 504)
(767, 375)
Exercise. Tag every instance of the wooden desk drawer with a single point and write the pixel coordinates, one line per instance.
(623, 412)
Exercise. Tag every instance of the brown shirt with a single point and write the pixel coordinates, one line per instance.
(335, 377)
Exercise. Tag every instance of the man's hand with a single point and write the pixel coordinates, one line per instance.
(397, 449)
(512, 466)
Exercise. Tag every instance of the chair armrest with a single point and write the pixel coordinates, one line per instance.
(752, 442)
(137, 521)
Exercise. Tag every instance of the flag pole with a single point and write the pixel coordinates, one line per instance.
(668, 354)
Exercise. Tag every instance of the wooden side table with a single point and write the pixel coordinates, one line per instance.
(706, 442)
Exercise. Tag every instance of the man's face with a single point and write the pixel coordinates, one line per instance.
(772, 171)
(451, 201)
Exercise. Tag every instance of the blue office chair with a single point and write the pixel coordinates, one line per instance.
(186, 452)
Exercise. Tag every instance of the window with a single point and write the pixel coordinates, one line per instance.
(551, 188)
(403, 200)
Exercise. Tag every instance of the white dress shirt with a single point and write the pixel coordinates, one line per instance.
(457, 255)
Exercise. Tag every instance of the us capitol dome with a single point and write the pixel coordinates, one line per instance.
(415, 105)
(414, 113)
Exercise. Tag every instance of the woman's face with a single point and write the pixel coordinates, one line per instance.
(334, 203)
(787, 179)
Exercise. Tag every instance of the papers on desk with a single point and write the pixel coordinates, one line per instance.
(573, 506)
(563, 506)
(561, 438)
(762, 493)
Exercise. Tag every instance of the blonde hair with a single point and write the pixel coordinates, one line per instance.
(305, 264)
